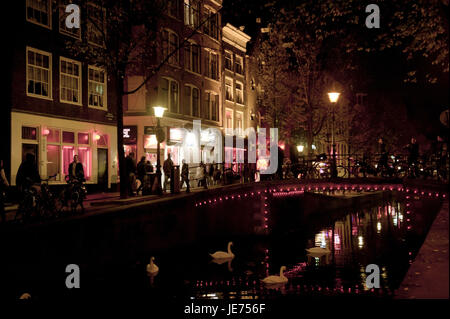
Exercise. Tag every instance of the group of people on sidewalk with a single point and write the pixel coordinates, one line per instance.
(28, 176)
(138, 175)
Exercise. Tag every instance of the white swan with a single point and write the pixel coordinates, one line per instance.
(151, 267)
(222, 254)
(281, 279)
(25, 296)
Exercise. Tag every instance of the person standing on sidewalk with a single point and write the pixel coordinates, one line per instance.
(3, 186)
(141, 172)
(167, 168)
(130, 165)
(185, 176)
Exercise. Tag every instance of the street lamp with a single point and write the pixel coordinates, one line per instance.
(300, 148)
(159, 112)
(333, 96)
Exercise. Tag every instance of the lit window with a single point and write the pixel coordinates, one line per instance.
(239, 93)
(29, 133)
(239, 127)
(70, 81)
(229, 119)
(229, 89)
(239, 65)
(38, 11)
(229, 60)
(39, 66)
(191, 13)
(97, 87)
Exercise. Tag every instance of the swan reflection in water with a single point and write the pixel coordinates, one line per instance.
(152, 271)
(317, 254)
(224, 260)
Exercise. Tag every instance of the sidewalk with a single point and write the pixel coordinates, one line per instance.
(427, 278)
(99, 200)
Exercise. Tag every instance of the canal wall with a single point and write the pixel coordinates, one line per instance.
(131, 231)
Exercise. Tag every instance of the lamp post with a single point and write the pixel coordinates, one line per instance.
(159, 112)
(333, 96)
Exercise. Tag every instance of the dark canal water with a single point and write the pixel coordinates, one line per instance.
(388, 234)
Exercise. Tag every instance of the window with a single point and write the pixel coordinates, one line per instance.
(173, 8)
(70, 81)
(169, 94)
(81, 147)
(239, 65)
(361, 99)
(191, 13)
(228, 119)
(68, 137)
(215, 107)
(211, 26)
(212, 65)
(97, 87)
(229, 60)
(239, 120)
(192, 57)
(239, 93)
(169, 45)
(211, 106)
(191, 100)
(96, 24)
(38, 11)
(206, 106)
(83, 138)
(73, 32)
(29, 133)
(53, 152)
(228, 89)
(39, 67)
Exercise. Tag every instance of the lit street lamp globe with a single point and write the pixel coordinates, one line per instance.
(333, 96)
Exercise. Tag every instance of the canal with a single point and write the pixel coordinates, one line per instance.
(387, 231)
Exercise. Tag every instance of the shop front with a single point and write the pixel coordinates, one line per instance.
(54, 142)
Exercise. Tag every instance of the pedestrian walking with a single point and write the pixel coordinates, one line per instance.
(167, 168)
(28, 173)
(141, 172)
(4, 184)
(130, 166)
(383, 160)
(185, 176)
(413, 157)
(211, 173)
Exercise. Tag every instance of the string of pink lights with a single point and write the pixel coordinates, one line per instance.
(298, 190)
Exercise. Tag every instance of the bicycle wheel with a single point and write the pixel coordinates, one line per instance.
(342, 172)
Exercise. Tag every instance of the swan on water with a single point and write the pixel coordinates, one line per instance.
(274, 279)
(222, 254)
(151, 267)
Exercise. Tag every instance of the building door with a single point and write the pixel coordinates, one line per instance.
(32, 149)
(102, 178)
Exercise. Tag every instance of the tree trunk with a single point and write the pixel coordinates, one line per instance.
(120, 150)
(309, 134)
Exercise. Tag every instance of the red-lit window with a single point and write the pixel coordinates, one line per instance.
(28, 133)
